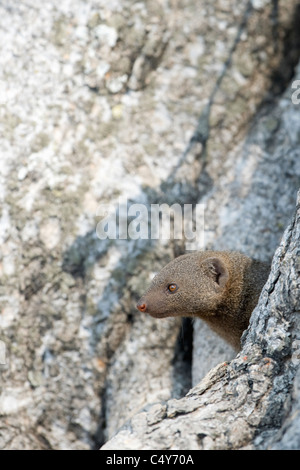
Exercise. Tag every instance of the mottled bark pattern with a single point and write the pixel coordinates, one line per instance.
(248, 402)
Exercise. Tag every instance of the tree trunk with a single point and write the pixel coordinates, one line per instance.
(146, 102)
(251, 402)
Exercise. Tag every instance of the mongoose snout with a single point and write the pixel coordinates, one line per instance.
(142, 307)
(221, 287)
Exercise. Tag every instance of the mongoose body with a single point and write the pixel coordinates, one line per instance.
(221, 287)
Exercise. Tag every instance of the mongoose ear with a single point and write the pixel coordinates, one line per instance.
(217, 270)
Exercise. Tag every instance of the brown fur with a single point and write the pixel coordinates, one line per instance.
(221, 287)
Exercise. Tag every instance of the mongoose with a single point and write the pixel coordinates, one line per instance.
(221, 287)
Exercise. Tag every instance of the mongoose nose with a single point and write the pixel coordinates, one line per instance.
(141, 307)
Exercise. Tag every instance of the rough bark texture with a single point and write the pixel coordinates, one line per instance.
(260, 188)
(251, 402)
(179, 101)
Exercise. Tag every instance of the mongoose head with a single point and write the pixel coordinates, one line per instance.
(190, 285)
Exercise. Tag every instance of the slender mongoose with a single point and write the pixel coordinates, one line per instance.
(220, 287)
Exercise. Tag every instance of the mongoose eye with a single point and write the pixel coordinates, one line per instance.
(172, 287)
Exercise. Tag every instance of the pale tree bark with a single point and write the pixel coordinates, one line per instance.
(251, 402)
(149, 102)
